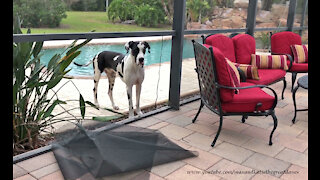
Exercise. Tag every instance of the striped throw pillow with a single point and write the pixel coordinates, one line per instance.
(235, 76)
(300, 53)
(250, 71)
(266, 61)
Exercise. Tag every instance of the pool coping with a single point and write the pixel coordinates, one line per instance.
(110, 41)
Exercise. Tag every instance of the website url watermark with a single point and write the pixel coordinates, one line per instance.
(235, 172)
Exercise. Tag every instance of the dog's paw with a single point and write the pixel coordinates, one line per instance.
(115, 107)
(97, 105)
(139, 112)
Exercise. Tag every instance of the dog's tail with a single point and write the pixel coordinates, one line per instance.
(85, 65)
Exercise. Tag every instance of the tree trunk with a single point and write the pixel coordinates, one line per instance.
(168, 14)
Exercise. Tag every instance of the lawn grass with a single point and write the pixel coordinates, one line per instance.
(79, 21)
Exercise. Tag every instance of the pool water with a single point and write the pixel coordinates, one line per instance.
(89, 51)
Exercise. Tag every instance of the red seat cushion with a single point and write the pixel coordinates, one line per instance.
(244, 46)
(267, 76)
(224, 44)
(298, 67)
(247, 99)
(281, 42)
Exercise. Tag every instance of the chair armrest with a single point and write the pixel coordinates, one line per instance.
(288, 55)
(254, 86)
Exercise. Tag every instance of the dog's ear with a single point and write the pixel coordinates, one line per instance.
(147, 45)
(128, 45)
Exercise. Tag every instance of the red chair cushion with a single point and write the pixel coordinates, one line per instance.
(223, 75)
(268, 76)
(281, 42)
(223, 43)
(298, 67)
(244, 46)
(247, 100)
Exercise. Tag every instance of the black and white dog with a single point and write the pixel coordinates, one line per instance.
(128, 67)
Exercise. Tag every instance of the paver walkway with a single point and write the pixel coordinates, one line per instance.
(240, 147)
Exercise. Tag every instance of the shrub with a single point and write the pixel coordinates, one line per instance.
(122, 10)
(197, 9)
(144, 12)
(148, 16)
(39, 13)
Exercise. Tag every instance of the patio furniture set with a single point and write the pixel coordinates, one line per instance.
(232, 76)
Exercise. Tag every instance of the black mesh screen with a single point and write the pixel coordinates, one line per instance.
(92, 154)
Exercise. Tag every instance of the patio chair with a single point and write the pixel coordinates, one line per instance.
(281, 43)
(218, 93)
(239, 48)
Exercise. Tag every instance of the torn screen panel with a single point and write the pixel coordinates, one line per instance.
(114, 150)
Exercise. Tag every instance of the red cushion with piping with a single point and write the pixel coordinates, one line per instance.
(268, 76)
(224, 43)
(223, 75)
(244, 46)
(298, 67)
(247, 100)
(281, 42)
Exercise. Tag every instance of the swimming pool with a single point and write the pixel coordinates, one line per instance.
(89, 51)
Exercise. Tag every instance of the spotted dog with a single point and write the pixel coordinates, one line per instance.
(129, 67)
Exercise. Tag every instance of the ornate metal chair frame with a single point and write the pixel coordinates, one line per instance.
(215, 106)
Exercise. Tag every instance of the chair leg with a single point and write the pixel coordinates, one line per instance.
(294, 103)
(218, 132)
(275, 124)
(284, 87)
(243, 120)
(201, 106)
(294, 76)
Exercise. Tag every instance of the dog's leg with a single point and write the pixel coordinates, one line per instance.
(95, 89)
(138, 91)
(97, 75)
(111, 78)
(129, 93)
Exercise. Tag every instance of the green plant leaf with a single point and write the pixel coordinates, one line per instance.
(53, 82)
(37, 48)
(78, 47)
(92, 105)
(48, 112)
(82, 106)
(66, 60)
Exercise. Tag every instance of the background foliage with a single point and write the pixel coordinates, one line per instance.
(39, 13)
(148, 13)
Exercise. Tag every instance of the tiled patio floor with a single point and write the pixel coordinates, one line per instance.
(240, 147)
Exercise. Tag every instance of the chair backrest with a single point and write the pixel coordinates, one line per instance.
(281, 42)
(211, 69)
(223, 43)
(244, 46)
